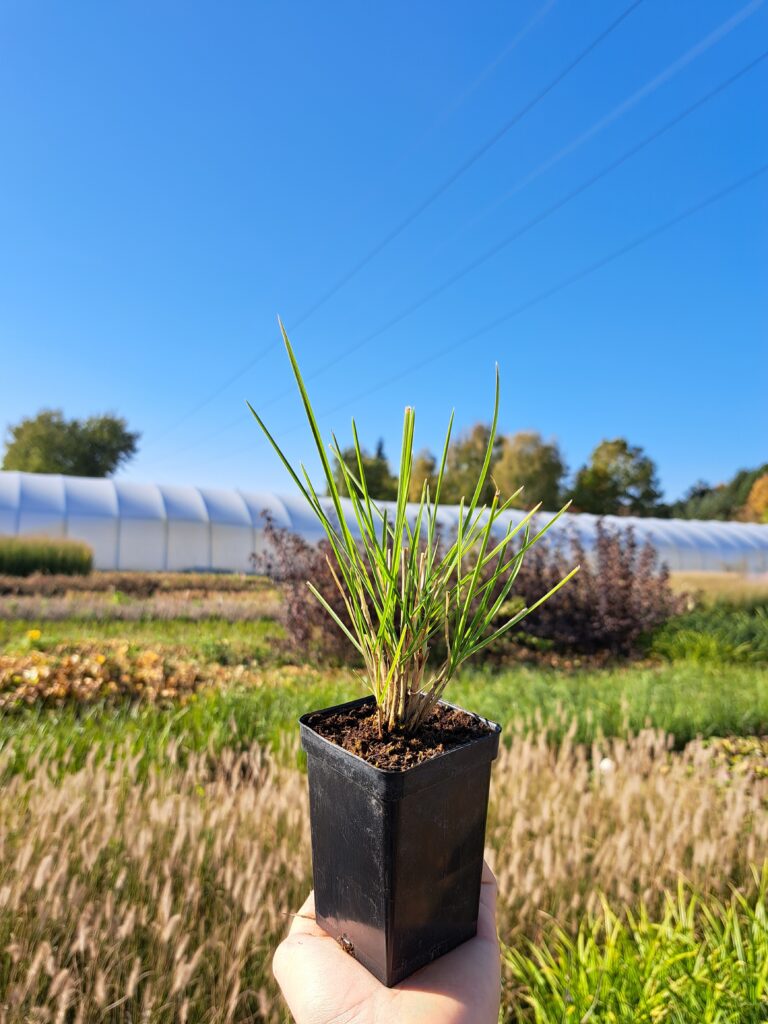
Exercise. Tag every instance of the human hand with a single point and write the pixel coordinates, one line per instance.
(324, 985)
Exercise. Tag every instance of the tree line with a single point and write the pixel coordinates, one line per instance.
(618, 479)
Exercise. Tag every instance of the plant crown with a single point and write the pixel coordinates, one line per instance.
(400, 586)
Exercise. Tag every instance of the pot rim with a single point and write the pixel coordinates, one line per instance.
(417, 776)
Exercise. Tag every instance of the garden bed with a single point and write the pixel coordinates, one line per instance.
(167, 895)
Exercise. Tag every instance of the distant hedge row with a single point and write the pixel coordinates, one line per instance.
(21, 556)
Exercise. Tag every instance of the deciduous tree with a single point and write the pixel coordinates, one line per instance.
(48, 443)
(756, 508)
(530, 462)
(382, 484)
(424, 469)
(464, 464)
(619, 479)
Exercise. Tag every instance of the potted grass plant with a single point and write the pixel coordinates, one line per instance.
(399, 779)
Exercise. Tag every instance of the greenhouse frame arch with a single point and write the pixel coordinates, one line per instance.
(159, 527)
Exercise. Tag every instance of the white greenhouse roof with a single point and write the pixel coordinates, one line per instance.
(156, 527)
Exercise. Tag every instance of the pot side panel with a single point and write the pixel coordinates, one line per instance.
(438, 849)
(350, 864)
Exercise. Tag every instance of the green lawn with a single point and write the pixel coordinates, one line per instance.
(208, 639)
(709, 678)
(687, 700)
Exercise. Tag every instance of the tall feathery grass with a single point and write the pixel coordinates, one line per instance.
(22, 556)
(129, 893)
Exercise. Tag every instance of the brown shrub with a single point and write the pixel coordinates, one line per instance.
(619, 595)
(291, 560)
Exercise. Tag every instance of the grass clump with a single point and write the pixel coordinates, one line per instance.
(719, 633)
(23, 556)
(402, 589)
(702, 961)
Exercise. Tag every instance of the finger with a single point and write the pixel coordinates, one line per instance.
(317, 978)
(486, 920)
(488, 886)
(303, 921)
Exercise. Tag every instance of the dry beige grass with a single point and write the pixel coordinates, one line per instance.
(625, 818)
(238, 606)
(130, 900)
(712, 586)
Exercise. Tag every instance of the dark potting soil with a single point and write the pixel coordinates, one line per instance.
(357, 730)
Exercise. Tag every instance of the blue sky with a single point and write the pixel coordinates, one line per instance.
(173, 176)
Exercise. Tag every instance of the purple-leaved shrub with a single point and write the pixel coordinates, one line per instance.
(620, 595)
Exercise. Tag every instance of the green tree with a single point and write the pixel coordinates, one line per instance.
(618, 480)
(378, 476)
(47, 443)
(464, 465)
(722, 501)
(424, 469)
(530, 462)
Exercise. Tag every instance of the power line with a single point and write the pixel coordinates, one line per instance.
(540, 297)
(490, 69)
(704, 44)
(505, 242)
(509, 239)
(422, 207)
(466, 165)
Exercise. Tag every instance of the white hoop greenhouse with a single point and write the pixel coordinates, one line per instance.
(136, 526)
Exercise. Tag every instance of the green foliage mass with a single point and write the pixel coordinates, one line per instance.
(723, 501)
(464, 464)
(47, 443)
(716, 634)
(382, 484)
(424, 472)
(619, 479)
(702, 962)
(528, 461)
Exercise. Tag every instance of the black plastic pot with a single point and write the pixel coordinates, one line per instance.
(397, 856)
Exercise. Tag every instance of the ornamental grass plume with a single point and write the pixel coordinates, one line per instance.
(148, 884)
(402, 591)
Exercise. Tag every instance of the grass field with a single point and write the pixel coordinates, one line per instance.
(685, 700)
(156, 891)
(154, 833)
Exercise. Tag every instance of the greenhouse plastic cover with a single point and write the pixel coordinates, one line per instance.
(159, 527)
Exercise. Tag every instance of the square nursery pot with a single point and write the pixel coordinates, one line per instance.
(397, 856)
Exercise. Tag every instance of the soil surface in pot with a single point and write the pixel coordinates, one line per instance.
(357, 730)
